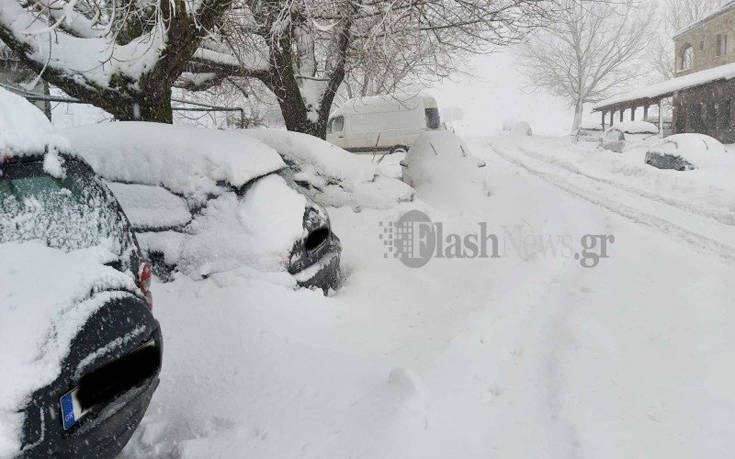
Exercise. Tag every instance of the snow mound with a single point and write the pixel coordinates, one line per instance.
(46, 296)
(637, 127)
(697, 149)
(24, 129)
(192, 162)
(613, 139)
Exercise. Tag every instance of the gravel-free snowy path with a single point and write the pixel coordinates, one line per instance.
(527, 355)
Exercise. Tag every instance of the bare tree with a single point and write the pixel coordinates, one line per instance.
(306, 48)
(593, 49)
(120, 55)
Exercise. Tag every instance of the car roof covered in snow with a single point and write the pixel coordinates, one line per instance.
(384, 103)
(193, 162)
(24, 129)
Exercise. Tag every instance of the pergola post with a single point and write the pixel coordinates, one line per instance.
(660, 119)
(622, 114)
(645, 112)
(632, 113)
(603, 120)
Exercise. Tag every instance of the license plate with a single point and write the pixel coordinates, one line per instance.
(71, 409)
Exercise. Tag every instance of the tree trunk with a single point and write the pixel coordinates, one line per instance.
(578, 113)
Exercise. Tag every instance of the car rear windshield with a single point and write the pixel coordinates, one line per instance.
(70, 213)
(432, 118)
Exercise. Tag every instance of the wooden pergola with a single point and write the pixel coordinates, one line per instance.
(632, 105)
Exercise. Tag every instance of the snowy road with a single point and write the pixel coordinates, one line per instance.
(527, 355)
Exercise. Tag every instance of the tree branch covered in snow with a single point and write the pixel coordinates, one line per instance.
(120, 55)
(304, 50)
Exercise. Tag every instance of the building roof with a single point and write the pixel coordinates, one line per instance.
(667, 88)
(723, 9)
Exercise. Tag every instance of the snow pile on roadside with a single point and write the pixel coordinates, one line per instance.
(46, 295)
(332, 176)
(185, 160)
(24, 128)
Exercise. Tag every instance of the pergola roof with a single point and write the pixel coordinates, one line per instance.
(654, 93)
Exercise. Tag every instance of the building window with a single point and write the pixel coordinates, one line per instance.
(721, 44)
(723, 115)
(686, 58)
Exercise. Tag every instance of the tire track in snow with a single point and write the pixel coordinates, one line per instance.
(697, 240)
(727, 218)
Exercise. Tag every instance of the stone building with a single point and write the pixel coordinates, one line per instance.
(702, 92)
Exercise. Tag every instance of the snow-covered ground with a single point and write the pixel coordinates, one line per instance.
(526, 355)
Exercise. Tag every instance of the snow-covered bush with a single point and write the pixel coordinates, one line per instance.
(684, 152)
(613, 139)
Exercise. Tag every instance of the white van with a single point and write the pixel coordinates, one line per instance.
(382, 123)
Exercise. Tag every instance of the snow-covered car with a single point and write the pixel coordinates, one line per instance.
(683, 152)
(517, 128)
(440, 166)
(613, 139)
(589, 131)
(80, 350)
(334, 177)
(204, 201)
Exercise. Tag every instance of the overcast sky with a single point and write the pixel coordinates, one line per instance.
(496, 92)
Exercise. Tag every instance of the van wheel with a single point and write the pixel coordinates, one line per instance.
(399, 149)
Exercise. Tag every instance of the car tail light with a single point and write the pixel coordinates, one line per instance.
(145, 272)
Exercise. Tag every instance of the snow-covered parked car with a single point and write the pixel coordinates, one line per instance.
(589, 131)
(517, 128)
(637, 127)
(613, 139)
(334, 177)
(204, 201)
(441, 164)
(683, 152)
(80, 350)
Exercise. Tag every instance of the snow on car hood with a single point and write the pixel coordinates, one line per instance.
(337, 177)
(46, 295)
(328, 160)
(24, 129)
(186, 160)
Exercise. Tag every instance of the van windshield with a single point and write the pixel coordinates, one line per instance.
(432, 118)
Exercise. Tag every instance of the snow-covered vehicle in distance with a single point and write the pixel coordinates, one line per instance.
(441, 168)
(79, 346)
(388, 123)
(589, 131)
(204, 201)
(684, 152)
